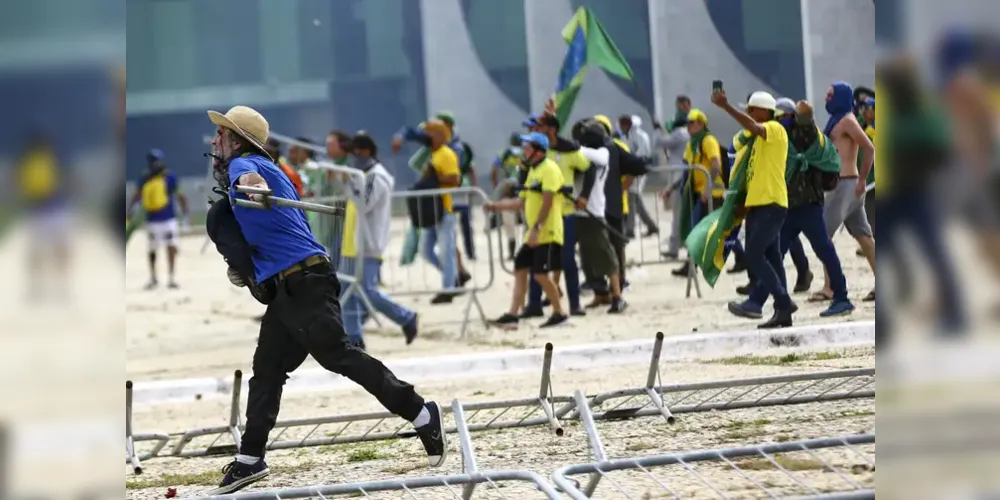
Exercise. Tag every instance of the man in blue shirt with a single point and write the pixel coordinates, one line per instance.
(157, 192)
(304, 317)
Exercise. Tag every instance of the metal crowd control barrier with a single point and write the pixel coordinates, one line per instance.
(470, 478)
(546, 409)
(777, 470)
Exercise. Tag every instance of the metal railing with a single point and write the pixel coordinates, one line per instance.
(459, 486)
(775, 470)
(543, 409)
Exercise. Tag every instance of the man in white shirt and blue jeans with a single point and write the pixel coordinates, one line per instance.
(373, 199)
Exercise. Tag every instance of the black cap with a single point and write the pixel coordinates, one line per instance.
(548, 120)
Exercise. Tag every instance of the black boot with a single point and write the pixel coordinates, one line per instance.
(682, 271)
(782, 318)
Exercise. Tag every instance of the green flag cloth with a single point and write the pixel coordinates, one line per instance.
(821, 155)
(132, 224)
(588, 44)
(706, 243)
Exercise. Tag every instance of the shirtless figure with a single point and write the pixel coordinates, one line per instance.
(845, 205)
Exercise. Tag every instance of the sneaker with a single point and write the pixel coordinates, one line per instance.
(443, 298)
(410, 329)
(578, 312)
(240, 475)
(598, 301)
(618, 306)
(744, 290)
(463, 278)
(531, 313)
(839, 308)
(683, 270)
(433, 437)
(555, 319)
(746, 309)
(173, 285)
(151, 285)
(650, 233)
(507, 319)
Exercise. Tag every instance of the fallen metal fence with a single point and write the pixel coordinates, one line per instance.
(546, 409)
(828, 468)
(526, 484)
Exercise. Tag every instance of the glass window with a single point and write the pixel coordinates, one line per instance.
(627, 23)
(750, 30)
(499, 37)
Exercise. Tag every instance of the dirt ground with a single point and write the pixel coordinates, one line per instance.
(538, 449)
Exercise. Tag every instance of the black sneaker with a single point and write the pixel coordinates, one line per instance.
(507, 319)
(618, 306)
(463, 278)
(410, 329)
(578, 312)
(682, 271)
(443, 298)
(532, 313)
(555, 319)
(433, 436)
(803, 282)
(240, 475)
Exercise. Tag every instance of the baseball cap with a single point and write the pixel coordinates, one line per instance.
(156, 154)
(532, 120)
(446, 116)
(604, 120)
(762, 100)
(697, 115)
(785, 105)
(869, 102)
(536, 138)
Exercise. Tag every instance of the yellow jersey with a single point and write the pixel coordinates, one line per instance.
(546, 177)
(766, 171)
(710, 150)
(569, 163)
(444, 161)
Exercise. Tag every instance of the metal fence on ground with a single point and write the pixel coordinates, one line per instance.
(543, 409)
(828, 468)
(506, 484)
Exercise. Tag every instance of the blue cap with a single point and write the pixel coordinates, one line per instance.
(870, 102)
(156, 154)
(532, 120)
(537, 138)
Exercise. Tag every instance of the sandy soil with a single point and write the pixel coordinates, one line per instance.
(207, 327)
(536, 448)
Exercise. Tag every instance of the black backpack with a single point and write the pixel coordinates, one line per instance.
(224, 231)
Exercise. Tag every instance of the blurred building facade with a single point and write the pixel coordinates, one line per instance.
(311, 66)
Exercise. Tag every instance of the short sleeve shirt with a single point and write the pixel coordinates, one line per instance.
(444, 161)
(766, 172)
(544, 178)
(280, 237)
(710, 150)
(569, 164)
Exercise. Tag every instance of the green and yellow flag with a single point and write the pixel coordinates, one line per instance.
(706, 243)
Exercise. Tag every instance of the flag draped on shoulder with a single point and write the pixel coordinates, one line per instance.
(821, 155)
(588, 44)
(706, 243)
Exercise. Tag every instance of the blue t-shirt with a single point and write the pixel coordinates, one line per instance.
(280, 237)
(158, 191)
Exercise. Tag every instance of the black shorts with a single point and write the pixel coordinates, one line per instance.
(539, 260)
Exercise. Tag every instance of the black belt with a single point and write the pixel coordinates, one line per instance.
(315, 260)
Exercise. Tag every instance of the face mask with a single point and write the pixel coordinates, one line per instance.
(361, 163)
(786, 121)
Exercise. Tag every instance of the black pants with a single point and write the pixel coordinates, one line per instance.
(305, 319)
(762, 252)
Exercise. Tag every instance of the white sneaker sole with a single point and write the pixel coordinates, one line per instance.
(242, 483)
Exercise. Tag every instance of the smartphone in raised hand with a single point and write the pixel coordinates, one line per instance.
(716, 86)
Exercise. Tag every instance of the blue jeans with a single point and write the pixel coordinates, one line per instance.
(444, 233)
(914, 210)
(808, 220)
(570, 271)
(466, 220)
(763, 252)
(355, 312)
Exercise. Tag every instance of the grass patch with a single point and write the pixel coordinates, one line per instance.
(365, 454)
(785, 359)
(641, 446)
(743, 429)
(790, 463)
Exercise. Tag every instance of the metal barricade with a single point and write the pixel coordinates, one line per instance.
(543, 409)
(829, 468)
(460, 486)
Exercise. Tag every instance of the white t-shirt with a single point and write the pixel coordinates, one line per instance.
(599, 159)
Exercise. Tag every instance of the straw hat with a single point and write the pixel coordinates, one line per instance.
(246, 122)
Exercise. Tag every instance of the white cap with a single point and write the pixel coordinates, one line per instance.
(785, 105)
(636, 121)
(762, 100)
